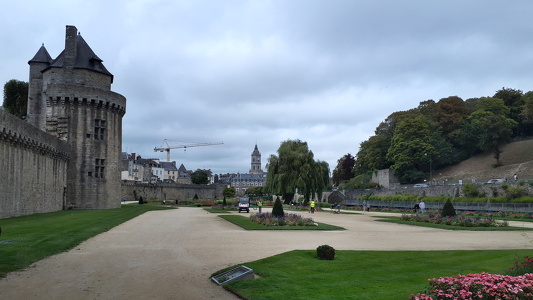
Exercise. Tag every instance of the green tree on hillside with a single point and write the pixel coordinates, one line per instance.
(294, 168)
(451, 114)
(16, 98)
(411, 149)
(513, 99)
(372, 154)
(485, 130)
(526, 114)
(493, 105)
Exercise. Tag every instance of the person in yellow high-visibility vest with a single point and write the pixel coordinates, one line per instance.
(259, 205)
(312, 206)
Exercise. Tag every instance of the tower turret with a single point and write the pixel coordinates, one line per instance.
(71, 98)
(256, 162)
(36, 103)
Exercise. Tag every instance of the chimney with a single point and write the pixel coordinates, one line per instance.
(70, 46)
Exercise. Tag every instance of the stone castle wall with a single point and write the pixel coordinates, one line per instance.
(33, 169)
(162, 191)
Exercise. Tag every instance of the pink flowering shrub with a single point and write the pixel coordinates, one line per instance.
(268, 219)
(522, 267)
(479, 286)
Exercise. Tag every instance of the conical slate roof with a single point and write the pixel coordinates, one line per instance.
(41, 56)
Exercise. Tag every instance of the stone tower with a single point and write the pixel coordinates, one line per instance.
(70, 97)
(256, 162)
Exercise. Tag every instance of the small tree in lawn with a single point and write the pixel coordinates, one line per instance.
(277, 210)
(448, 210)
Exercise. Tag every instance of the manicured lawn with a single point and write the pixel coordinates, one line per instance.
(363, 274)
(450, 227)
(27, 239)
(217, 211)
(244, 222)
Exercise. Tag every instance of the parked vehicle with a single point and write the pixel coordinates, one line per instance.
(493, 181)
(420, 185)
(244, 204)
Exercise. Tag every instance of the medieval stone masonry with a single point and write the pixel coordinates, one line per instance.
(77, 117)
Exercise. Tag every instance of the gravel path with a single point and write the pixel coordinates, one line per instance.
(171, 254)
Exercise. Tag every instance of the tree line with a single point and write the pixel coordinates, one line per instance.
(439, 134)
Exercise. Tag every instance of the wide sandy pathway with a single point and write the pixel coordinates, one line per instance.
(171, 254)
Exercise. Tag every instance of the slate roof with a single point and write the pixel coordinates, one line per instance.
(182, 168)
(85, 58)
(42, 56)
(256, 151)
(168, 166)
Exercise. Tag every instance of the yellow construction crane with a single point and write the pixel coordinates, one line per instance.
(185, 146)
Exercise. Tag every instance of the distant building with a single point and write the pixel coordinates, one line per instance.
(256, 177)
(184, 176)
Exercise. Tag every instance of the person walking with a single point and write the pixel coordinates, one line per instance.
(422, 206)
(312, 206)
(259, 205)
(416, 208)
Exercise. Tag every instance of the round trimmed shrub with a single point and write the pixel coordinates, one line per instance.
(325, 252)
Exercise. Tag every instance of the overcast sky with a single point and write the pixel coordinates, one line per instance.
(245, 72)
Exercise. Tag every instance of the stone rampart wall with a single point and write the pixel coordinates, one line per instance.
(489, 190)
(163, 191)
(33, 169)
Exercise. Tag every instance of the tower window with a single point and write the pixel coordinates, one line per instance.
(99, 129)
(99, 168)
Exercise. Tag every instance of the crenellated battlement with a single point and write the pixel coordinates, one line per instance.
(112, 105)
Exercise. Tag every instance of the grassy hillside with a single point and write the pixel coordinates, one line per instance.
(517, 158)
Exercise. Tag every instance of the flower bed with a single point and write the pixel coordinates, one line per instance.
(479, 286)
(501, 214)
(268, 219)
(462, 221)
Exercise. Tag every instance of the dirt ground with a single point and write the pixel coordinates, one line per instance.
(171, 254)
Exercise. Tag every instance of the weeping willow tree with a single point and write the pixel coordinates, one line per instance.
(294, 169)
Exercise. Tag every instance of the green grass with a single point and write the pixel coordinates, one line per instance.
(449, 227)
(363, 274)
(27, 239)
(245, 223)
(216, 211)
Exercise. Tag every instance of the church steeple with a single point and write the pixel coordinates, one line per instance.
(256, 162)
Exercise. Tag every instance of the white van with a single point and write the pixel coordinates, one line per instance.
(244, 204)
